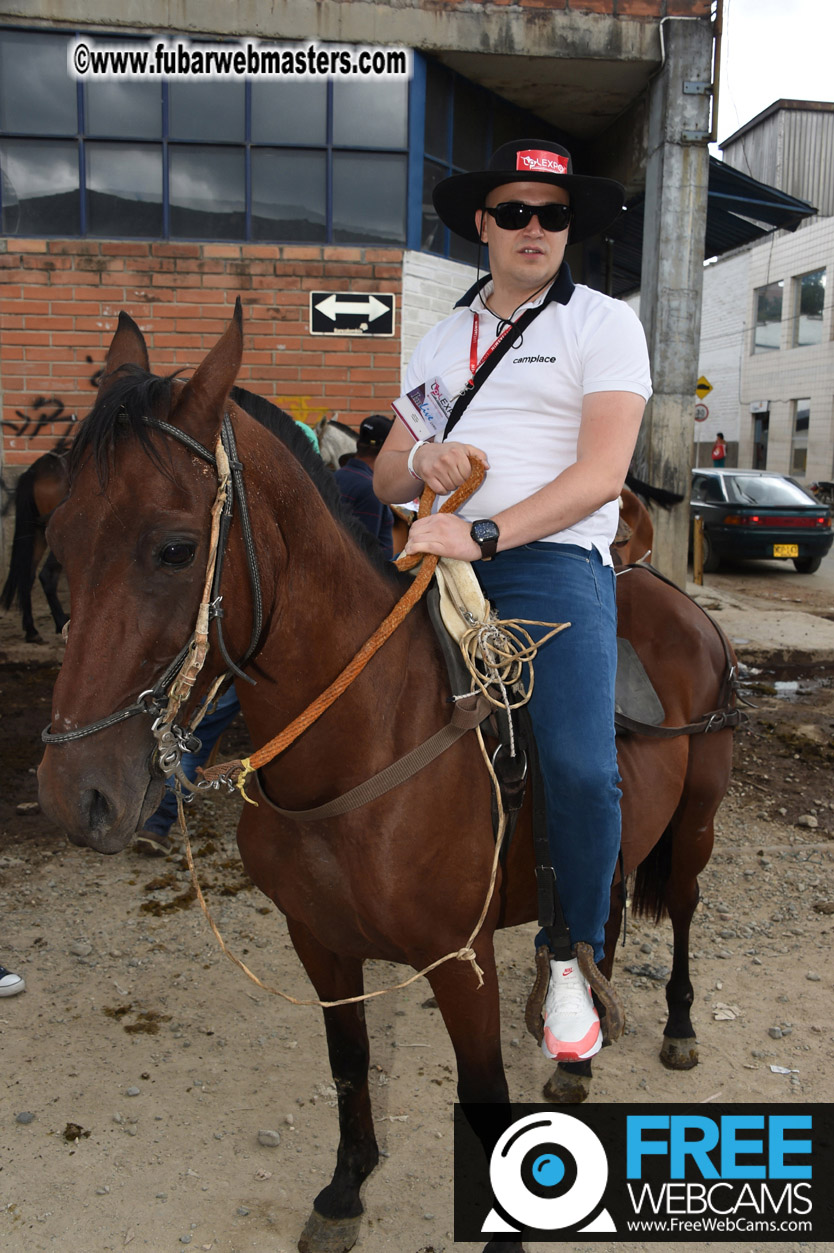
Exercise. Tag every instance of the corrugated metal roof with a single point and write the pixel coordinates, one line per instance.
(739, 211)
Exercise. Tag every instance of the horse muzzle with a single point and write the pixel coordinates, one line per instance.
(96, 810)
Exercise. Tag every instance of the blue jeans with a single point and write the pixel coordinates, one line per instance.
(572, 711)
(209, 731)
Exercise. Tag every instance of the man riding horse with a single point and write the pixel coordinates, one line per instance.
(551, 379)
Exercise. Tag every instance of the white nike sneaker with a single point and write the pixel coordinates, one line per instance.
(572, 1031)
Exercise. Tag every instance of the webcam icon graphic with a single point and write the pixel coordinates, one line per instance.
(549, 1172)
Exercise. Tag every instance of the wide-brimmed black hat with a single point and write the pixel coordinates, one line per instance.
(596, 202)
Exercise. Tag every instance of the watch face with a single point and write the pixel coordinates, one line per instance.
(484, 531)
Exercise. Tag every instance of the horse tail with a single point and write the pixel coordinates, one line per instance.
(658, 495)
(648, 898)
(26, 518)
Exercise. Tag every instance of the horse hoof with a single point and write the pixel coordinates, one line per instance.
(679, 1054)
(563, 1088)
(34, 639)
(329, 1235)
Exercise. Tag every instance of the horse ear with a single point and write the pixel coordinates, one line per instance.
(127, 347)
(203, 398)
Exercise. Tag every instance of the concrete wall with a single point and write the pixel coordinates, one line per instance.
(451, 24)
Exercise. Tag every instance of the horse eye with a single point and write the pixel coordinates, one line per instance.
(179, 554)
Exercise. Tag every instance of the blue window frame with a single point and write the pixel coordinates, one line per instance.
(268, 160)
(263, 160)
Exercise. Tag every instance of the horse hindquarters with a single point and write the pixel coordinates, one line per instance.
(333, 1225)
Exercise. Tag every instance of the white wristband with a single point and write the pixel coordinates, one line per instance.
(412, 455)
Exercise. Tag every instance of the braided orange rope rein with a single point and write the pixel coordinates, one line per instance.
(238, 771)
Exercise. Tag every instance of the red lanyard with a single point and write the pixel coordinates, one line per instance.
(474, 363)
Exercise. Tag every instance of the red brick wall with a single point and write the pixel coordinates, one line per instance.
(60, 302)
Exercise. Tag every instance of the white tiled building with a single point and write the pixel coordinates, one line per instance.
(767, 333)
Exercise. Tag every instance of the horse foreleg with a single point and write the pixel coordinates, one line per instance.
(473, 1021)
(333, 1225)
(49, 574)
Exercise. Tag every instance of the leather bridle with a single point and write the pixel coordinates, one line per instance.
(155, 700)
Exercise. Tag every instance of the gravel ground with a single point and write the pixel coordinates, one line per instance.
(141, 1067)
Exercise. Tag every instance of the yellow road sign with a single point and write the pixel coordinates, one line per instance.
(703, 387)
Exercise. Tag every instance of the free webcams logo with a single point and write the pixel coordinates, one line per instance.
(548, 1171)
(645, 1172)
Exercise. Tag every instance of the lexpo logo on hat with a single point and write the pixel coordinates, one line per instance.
(536, 159)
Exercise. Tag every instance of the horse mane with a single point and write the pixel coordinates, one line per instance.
(120, 413)
(283, 427)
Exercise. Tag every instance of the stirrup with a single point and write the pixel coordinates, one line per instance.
(609, 1004)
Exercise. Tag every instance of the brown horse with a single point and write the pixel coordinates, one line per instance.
(404, 878)
(40, 489)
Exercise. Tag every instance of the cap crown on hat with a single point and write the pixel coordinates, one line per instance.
(374, 430)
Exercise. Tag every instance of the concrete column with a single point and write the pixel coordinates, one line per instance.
(670, 294)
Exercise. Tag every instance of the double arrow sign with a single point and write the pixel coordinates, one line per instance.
(351, 313)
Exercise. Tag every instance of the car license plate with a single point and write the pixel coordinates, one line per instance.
(786, 550)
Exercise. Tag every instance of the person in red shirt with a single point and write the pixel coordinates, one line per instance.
(719, 451)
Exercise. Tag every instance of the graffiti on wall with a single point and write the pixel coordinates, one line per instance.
(40, 414)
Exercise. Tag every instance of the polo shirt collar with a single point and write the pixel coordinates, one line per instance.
(560, 290)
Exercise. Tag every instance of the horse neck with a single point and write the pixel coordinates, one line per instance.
(323, 595)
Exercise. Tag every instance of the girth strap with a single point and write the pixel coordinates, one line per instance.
(717, 720)
(469, 712)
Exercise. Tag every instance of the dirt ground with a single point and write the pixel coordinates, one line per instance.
(140, 1065)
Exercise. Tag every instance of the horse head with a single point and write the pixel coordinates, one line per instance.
(133, 535)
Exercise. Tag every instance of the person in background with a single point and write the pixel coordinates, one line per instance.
(355, 481)
(719, 451)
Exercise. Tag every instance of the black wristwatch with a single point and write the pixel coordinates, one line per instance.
(485, 533)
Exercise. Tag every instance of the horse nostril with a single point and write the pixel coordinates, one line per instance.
(98, 809)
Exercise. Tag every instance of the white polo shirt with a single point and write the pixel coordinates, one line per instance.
(526, 415)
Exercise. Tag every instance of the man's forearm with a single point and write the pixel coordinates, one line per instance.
(393, 483)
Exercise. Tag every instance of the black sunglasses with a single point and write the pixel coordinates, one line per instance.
(514, 215)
